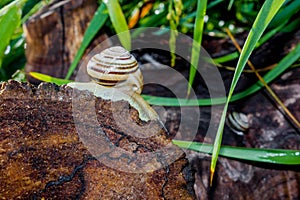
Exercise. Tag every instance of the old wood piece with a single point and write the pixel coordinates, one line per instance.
(54, 35)
(44, 154)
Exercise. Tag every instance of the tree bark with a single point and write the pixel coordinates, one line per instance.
(54, 35)
(48, 149)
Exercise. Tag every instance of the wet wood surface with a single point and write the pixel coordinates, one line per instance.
(46, 152)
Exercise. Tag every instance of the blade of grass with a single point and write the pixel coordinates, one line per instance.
(151, 21)
(46, 78)
(33, 10)
(212, 4)
(174, 12)
(274, 156)
(227, 57)
(262, 40)
(197, 39)
(10, 17)
(292, 26)
(265, 15)
(4, 2)
(230, 4)
(285, 14)
(271, 92)
(96, 24)
(118, 21)
(284, 26)
(283, 65)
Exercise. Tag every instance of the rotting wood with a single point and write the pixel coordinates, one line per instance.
(42, 154)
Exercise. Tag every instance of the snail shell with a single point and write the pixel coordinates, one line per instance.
(116, 76)
(238, 122)
(116, 67)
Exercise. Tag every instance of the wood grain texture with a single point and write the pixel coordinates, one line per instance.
(54, 35)
(42, 154)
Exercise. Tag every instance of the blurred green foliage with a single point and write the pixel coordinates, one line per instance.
(237, 15)
(13, 14)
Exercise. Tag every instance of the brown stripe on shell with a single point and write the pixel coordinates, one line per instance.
(112, 66)
(115, 65)
(112, 72)
(120, 62)
(114, 58)
(105, 82)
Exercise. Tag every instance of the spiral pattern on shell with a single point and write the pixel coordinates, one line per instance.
(238, 122)
(112, 66)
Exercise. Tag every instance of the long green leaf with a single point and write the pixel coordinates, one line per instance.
(230, 4)
(227, 57)
(46, 78)
(4, 2)
(197, 39)
(96, 24)
(265, 15)
(10, 17)
(151, 21)
(262, 40)
(275, 156)
(283, 65)
(285, 13)
(119, 22)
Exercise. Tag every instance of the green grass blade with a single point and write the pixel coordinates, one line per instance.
(292, 26)
(212, 4)
(175, 10)
(285, 14)
(119, 22)
(96, 24)
(230, 4)
(198, 32)
(274, 156)
(33, 10)
(4, 2)
(151, 21)
(283, 65)
(169, 101)
(227, 57)
(46, 78)
(262, 40)
(10, 17)
(284, 26)
(265, 15)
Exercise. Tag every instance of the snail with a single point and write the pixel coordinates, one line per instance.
(238, 122)
(116, 76)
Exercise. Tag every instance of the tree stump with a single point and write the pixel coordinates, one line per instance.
(44, 154)
(54, 35)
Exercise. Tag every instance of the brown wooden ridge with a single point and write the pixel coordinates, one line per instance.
(43, 156)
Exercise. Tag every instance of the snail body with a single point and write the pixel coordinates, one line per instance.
(116, 76)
